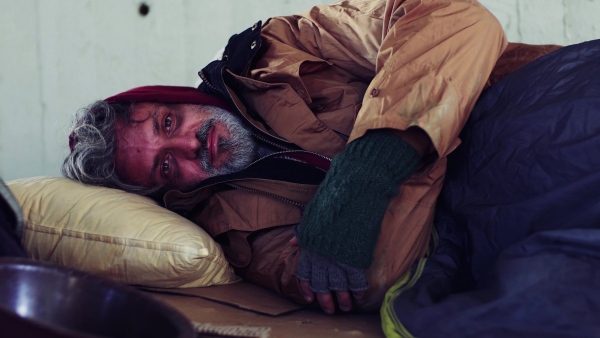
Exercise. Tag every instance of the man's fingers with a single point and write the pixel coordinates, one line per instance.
(307, 293)
(358, 295)
(315, 272)
(294, 241)
(344, 300)
(326, 302)
(325, 299)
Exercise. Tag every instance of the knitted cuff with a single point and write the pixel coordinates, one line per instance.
(342, 221)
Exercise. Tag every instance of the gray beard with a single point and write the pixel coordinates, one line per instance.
(241, 143)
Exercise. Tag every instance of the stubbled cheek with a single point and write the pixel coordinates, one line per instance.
(223, 158)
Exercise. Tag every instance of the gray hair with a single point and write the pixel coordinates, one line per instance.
(92, 142)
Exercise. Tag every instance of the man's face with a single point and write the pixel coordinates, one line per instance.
(178, 146)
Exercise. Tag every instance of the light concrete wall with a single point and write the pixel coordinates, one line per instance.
(560, 22)
(59, 55)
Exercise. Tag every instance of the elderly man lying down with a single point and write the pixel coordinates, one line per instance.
(315, 149)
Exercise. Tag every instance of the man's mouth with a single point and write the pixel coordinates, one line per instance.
(212, 145)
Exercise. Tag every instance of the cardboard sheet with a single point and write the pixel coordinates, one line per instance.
(301, 323)
(243, 307)
(242, 295)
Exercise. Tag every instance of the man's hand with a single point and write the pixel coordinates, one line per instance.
(319, 275)
(340, 225)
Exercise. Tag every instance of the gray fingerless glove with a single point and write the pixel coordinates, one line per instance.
(326, 275)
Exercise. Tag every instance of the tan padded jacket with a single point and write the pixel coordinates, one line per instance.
(322, 79)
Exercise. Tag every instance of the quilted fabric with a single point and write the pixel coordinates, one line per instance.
(518, 251)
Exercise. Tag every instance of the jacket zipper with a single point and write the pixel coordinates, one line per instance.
(233, 185)
(286, 200)
(283, 152)
(205, 80)
(266, 140)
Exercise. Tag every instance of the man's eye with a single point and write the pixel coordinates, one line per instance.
(168, 123)
(165, 167)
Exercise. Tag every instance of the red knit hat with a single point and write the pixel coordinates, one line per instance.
(162, 94)
(167, 94)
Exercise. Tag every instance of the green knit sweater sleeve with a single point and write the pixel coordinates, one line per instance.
(343, 220)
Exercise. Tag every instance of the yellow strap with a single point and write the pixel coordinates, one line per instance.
(391, 325)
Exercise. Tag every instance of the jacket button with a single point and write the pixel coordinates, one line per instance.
(255, 26)
(374, 92)
(253, 45)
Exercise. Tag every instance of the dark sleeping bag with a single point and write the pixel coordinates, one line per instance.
(517, 251)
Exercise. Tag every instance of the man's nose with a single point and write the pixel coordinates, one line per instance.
(186, 145)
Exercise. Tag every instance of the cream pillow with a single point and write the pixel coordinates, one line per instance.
(122, 236)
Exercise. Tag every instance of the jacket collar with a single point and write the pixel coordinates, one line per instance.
(238, 54)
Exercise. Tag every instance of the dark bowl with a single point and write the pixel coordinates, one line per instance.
(39, 299)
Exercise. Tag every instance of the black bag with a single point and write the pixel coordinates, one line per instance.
(11, 224)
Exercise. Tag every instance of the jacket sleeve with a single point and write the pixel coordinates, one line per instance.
(426, 61)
